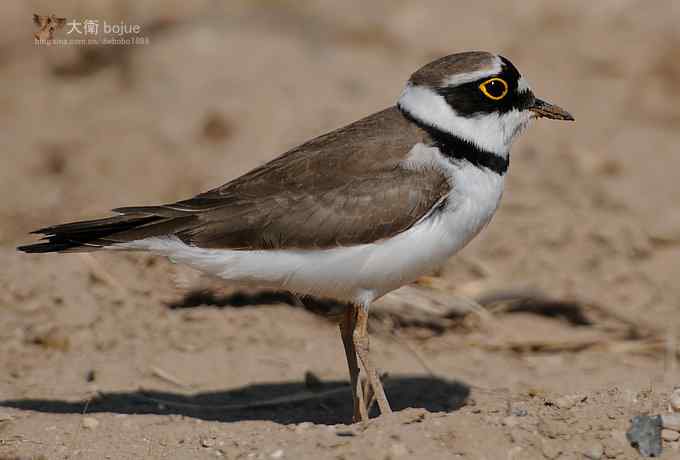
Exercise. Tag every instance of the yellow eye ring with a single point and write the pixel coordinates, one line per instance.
(493, 92)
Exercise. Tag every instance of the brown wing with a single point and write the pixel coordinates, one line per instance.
(344, 188)
(362, 210)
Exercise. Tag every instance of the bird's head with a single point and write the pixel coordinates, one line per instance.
(477, 96)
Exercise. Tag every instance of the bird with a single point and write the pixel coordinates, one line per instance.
(354, 213)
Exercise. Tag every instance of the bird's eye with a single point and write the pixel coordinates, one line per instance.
(494, 88)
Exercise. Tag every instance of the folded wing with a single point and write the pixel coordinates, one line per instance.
(345, 188)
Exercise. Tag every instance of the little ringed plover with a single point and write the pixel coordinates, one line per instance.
(352, 214)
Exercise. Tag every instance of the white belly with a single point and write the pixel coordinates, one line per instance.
(360, 273)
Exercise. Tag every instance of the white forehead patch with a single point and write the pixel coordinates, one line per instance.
(459, 79)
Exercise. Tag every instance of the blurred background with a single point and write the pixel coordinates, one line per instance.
(589, 220)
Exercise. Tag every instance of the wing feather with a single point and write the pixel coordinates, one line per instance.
(346, 187)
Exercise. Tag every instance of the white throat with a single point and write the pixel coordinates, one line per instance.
(490, 132)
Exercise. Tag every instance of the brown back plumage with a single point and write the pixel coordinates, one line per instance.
(344, 188)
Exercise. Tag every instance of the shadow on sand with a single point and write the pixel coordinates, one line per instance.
(286, 402)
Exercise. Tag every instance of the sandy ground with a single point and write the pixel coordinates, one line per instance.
(104, 357)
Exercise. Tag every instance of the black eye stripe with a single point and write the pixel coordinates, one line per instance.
(468, 100)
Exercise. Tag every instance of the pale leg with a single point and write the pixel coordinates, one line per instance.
(361, 344)
(347, 327)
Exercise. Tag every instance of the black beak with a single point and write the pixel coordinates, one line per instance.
(544, 109)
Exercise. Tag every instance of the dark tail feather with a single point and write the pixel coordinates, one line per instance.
(91, 235)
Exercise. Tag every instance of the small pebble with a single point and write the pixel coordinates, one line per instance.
(90, 423)
(277, 454)
(675, 400)
(519, 412)
(645, 435)
(671, 421)
(594, 452)
(569, 401)
(670, 435)
(206, 442)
